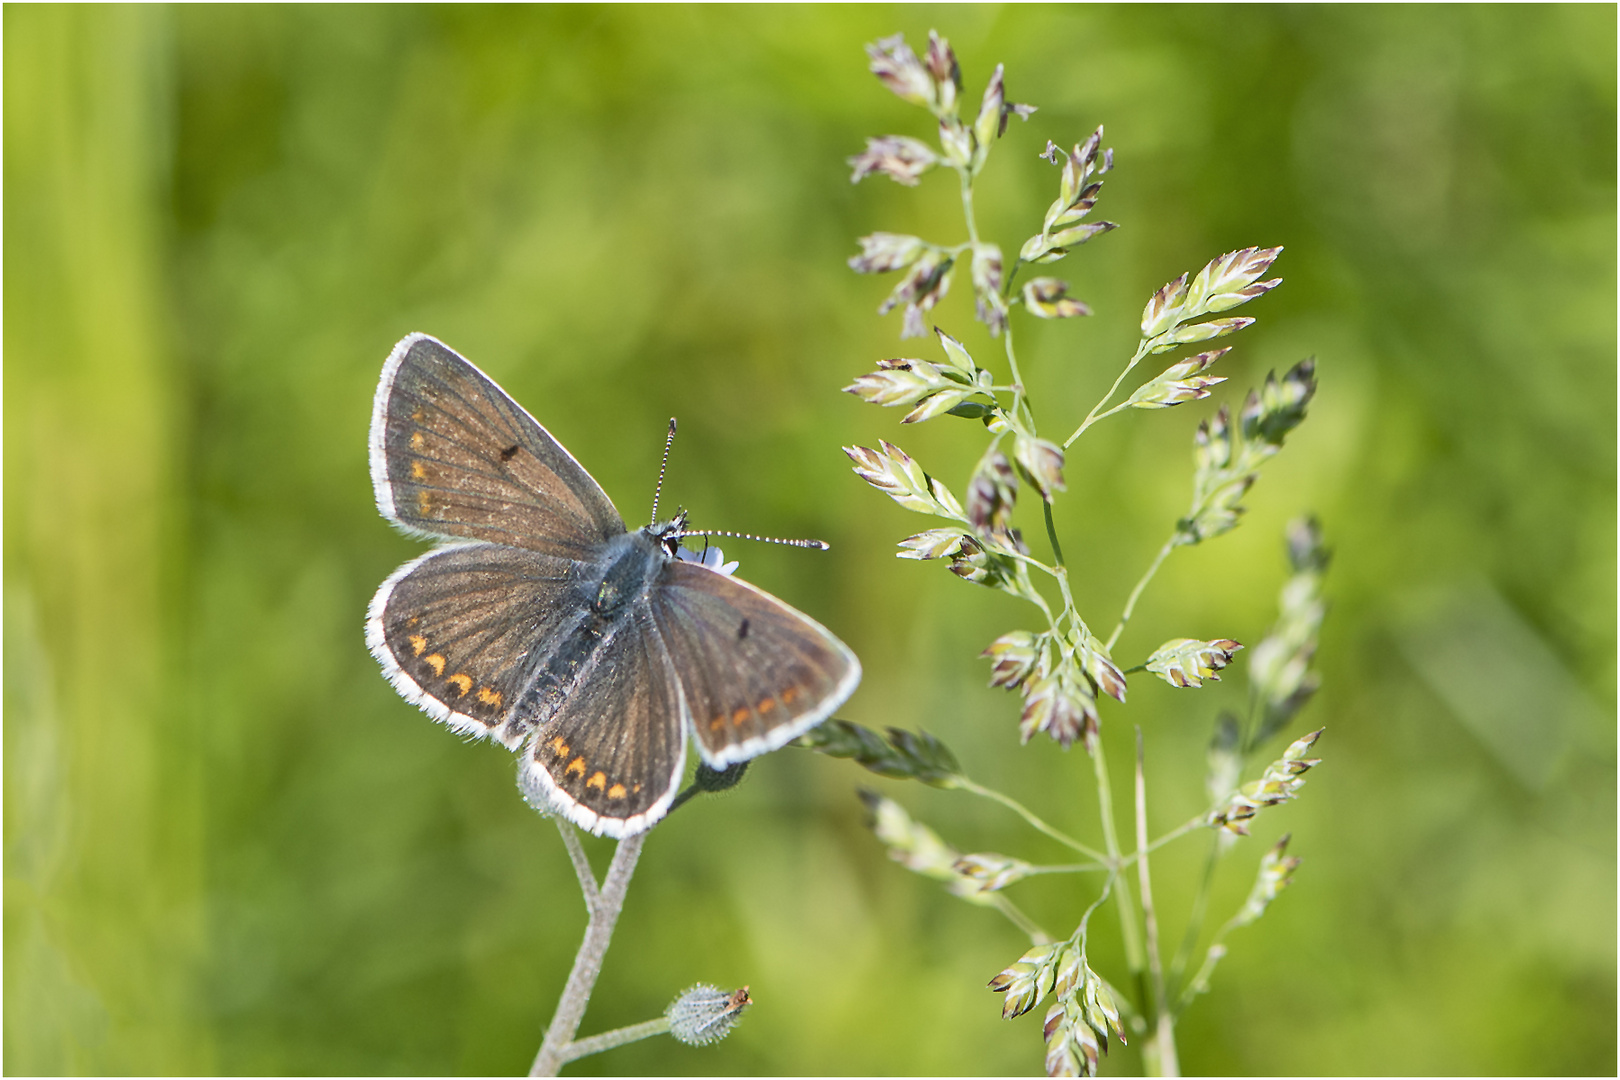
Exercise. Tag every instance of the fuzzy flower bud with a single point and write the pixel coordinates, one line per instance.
(705, 1014)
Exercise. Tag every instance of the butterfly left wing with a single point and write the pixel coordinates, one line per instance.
(453, 456)
(755, 672)
(461, 631)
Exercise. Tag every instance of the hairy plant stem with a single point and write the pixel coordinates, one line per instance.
(617, 1037)
(1159, 1055)
(582, 864)
(604, 913)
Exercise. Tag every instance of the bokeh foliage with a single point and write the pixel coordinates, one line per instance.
(230, 847)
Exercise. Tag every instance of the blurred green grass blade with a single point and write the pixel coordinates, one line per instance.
(103, 915)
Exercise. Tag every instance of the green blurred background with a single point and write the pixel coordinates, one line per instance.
(230, 847)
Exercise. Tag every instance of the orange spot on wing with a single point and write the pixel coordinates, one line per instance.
(434, 661)
(789, 695)
(717, 723)
(463, 682)
(489, 697)
(558, 747)
(418, 644)
(424, 502)
(636, 788)
(597, 781)
(417, 441)
(739, 716)
(418, 415)
(575, 766)
(418, 470)
(766, 706)
(616, 791)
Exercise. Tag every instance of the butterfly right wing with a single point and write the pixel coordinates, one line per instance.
(453, 456)
(610, 746)
(461, 632)
(755, 673)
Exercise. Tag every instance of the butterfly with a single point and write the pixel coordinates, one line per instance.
(544, 624)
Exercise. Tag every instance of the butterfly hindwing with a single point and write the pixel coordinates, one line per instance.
(610, 755)
(461, 631)
(453, 456)
(756, 673)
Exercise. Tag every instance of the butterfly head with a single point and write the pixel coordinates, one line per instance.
(667, 534)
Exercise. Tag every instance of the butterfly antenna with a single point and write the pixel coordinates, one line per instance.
(669, 440)
(819, 545)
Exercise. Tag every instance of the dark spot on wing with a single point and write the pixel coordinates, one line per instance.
(509, 453)
(742, 630)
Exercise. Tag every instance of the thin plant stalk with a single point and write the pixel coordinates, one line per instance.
(1195, 921)
(1160, 1053)
(582, 864)
(1134, 958)
(1016, 916)
(1018, 808)
(1136, 593)
(609, 1040)
(554, 1051)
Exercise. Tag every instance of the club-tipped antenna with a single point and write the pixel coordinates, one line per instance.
(819, 545)
(669, 441)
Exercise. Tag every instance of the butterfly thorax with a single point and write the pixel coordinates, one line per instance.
(630, 563)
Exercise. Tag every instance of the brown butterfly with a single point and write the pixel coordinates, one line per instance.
(547, 625)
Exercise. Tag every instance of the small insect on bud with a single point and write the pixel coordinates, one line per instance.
(706, 1014)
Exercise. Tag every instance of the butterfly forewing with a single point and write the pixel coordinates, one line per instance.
(461, 631)
(453, 456)
(756, 673)
(611, 754)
